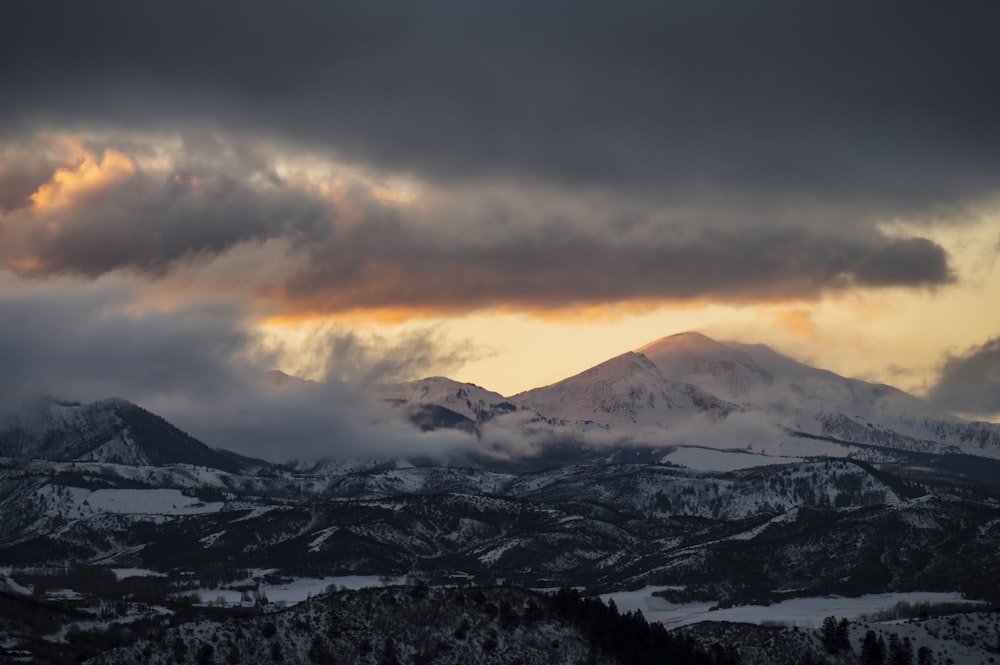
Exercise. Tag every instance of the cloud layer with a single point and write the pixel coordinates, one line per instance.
(355, 247)
(564, 155)
(970, 382)
(202, 367)
(892, 103)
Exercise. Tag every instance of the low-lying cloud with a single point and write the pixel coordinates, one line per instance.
(202, 368)
(969, 383)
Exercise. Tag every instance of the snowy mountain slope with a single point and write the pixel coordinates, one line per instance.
(864, 412)
(466, 399)
(792, 397)
(627, 390)
(795, 395)
(110, 430)
(961, 638)
(604, 525)
(688, 389)
(916, 545)
(713, 366)
(421, 625)
(819, 389)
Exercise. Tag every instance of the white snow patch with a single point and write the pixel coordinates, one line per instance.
(321, 537)
(209, 540)
(154, 501)
(708, 459)
(789, 516)
(362, 581)
(122, 573)
(296, 590)
(64, 594)
(804, 612)
(491, 556)
(8, 584)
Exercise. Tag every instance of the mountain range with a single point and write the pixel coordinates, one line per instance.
(698, 470)
(688, 389)
(681, 390)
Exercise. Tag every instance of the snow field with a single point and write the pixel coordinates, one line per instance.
(708, 459)
(296, 590)
(803, 612)
(154, 501)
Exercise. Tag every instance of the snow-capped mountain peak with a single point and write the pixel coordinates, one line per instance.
(722, 394)
(713, 366)
(627, 389)
(467, 399)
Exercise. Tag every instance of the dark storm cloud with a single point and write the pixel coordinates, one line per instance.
(901, 261)
(399, 268)
(193, 366)
(742, 150)
(19, 181)
(454, 251)
(78, 344)
(148, 224)
(970, 382)
(892, 103)
(351, 358)
(146, 220)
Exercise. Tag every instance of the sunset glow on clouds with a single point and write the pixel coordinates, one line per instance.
(504, 193)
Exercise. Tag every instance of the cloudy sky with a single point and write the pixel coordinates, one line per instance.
(502, 192)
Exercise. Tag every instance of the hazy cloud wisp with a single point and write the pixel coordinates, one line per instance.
(970, 382)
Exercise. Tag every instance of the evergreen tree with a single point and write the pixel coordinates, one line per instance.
(906, 655)
(872, 649)
(828, 635)
(205, 654)
(897, 651)
(843, 635)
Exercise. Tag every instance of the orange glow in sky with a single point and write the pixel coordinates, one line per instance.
(90, 174)
(894, 335)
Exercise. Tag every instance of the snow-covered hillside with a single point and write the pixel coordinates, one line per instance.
(626, 391)
(109, 430)
(467, 399)
(713, 366)
(688, 389)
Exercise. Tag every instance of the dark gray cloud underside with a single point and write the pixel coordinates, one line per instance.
(77, 346)
(399, 270)
(356, 251)
(149, 222)
(19, 181)
(889, 102)
(970, 383)
(191, 365)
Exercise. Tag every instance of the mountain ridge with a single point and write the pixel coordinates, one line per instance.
(108, 430)
(690, 389)
(628, 388)
(776, 406)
